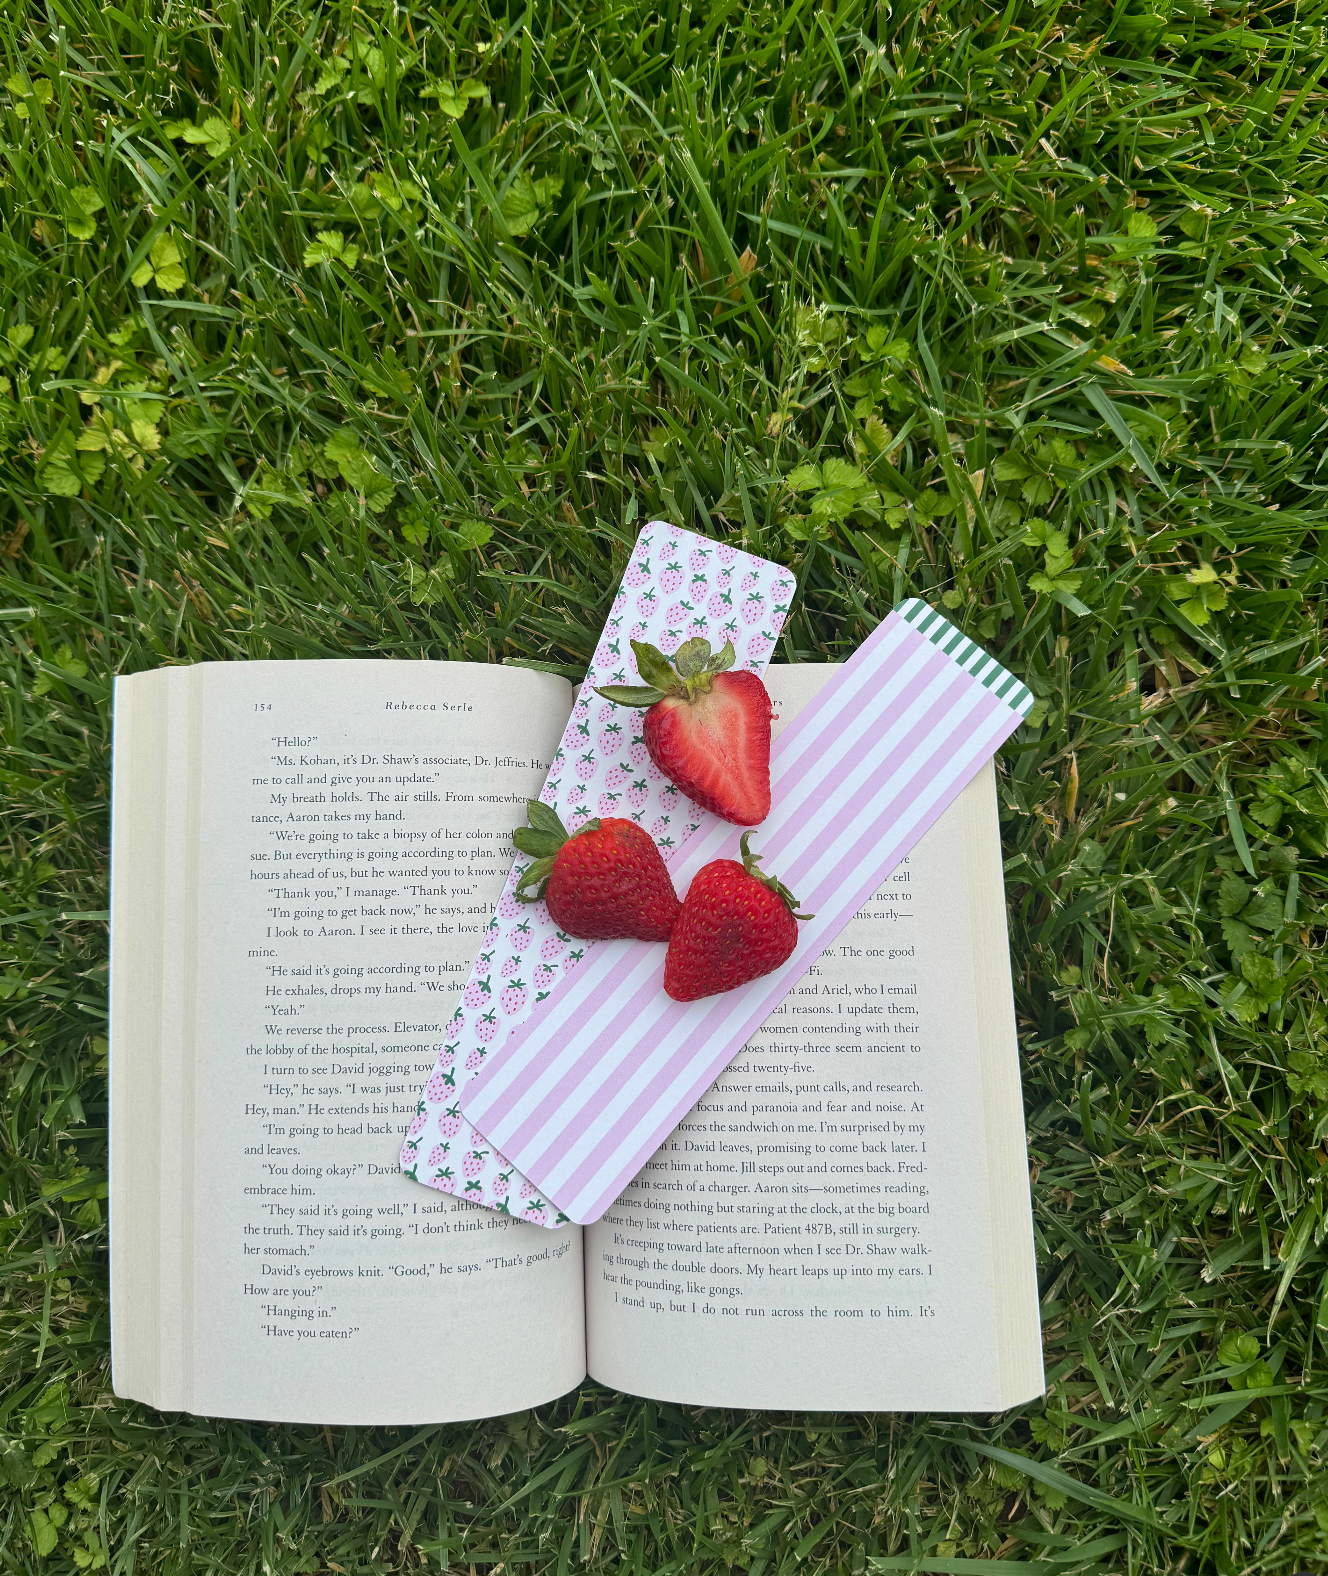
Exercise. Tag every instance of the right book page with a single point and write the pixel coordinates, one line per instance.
(842, 1223)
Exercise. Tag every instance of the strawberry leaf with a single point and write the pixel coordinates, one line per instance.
(539, 845)
(654, 667)
(692, 657)
(543, 818)
(630, 694)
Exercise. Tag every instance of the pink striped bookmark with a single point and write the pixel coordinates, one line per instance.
(584, 1092)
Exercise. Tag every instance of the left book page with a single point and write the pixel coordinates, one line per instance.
(304, 855)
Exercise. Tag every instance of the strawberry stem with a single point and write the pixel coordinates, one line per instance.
(688, 675)
(542, 840)
(750, 861)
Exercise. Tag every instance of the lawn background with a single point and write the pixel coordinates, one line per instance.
(375, 329)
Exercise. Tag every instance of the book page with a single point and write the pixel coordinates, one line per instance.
(305, 854)
(842, 1221)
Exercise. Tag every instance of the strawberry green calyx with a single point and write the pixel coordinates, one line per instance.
(688, 675)
(542, 839)
(749, 863)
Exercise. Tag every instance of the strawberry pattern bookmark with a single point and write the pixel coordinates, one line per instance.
(677, 585)
(584, 1093)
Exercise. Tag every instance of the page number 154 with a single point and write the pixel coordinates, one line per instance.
(262, 705)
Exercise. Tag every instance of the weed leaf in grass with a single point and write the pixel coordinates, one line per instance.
(66, 468)
(526, 201)
(330, 246)
(163, 266)
(81, 209)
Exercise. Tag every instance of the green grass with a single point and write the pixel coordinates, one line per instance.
(383, 328)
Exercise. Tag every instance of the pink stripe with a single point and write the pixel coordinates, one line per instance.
(862, 748)
(576, 1073)
(627, 1121)
(916, 785)
(796, 763)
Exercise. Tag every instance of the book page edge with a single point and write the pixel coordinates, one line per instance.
(1014, 1264)
(138, 799)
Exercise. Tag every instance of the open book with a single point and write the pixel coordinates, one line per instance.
(304, 855)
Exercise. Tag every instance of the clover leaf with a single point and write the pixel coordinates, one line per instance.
(527, 201)
(162, 264)
(1058, 559)
(357, 470)
(81, 204)
(454, 98)
(25, 94)
(65, 471)
(1200, 593)
(330, 246)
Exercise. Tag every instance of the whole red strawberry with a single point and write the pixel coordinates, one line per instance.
(605, 881)
(707, 729)
(736, 924)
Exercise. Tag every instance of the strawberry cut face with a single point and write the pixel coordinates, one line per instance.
(707, 728)
(716, 748)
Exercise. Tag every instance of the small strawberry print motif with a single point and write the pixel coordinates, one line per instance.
(760, 646)
(638, 573)
(449, 1124)
(753, 607)
(670, 578)
(476, 993)
(585, 766)
(698, 558)
(636, 793)
(511, 966)
(475, 1060)
(638, 754)
(553, 946)
(438, 1154)
(513, 999)
(487, 1027)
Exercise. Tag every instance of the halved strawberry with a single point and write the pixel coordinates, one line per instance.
(707, 729)
(736, 924)
(605, 881)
